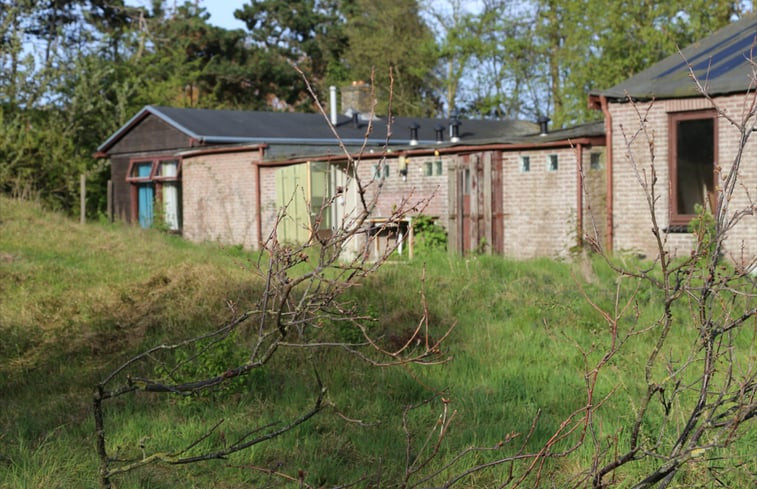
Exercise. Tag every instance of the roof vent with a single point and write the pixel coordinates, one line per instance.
(454, 129)
(543, 123)
(439, 129)
(356, 119)
(414, 133)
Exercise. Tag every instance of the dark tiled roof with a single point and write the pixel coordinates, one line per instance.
(289, 128)
(721, 62)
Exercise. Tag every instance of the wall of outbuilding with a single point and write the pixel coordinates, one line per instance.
(635, 160)
(219, 198)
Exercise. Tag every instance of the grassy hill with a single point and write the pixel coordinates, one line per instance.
(77, 300)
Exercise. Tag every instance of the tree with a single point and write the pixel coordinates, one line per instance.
(306, 32)
(384, 35)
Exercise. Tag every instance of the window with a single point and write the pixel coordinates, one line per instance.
(378, 169)
(433, 168)
(525, 164)
(595, 160)
(156, 182)
(693, 137)
(551, 162)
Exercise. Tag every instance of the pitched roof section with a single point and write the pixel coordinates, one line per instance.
(240, 127)
(721, 62)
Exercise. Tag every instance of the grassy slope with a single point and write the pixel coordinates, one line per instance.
(76, 299)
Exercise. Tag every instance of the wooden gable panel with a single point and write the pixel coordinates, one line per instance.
(151, 135)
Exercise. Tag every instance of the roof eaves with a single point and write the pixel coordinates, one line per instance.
(304, 141)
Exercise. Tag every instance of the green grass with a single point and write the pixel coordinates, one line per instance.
(76, 300)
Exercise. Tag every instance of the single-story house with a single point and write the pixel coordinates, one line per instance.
(510, 187)
(694, 143)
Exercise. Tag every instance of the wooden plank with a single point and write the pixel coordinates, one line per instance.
(498, 231)
(453, 213)
(487, 202)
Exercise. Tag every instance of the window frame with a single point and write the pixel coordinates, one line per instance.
(524, 163)
(154, 179)
(676, 218)
(596, 160)
(550, 158)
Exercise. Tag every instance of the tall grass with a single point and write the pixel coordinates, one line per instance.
(75, 300)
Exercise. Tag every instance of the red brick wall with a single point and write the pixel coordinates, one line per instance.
(632, 163)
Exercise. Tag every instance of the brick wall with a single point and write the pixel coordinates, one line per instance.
(632, 164)
(218, 198)
(539, 205)
(419, 193)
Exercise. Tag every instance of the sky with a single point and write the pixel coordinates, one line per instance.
(222, 12)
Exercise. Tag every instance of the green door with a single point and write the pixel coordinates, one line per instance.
(291, 189)
(302, 190)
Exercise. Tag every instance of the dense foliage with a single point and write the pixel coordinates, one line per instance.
(73, 71)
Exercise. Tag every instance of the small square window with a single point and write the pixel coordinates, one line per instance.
(595, 162)
(439, 167)
(525, 164)
(551, 162)
(428, 168)
(380, 170)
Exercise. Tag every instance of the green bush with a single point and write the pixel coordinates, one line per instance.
(428, 234)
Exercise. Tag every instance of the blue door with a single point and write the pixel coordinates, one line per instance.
(145, 196)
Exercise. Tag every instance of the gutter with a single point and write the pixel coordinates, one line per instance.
(585, 141)
(301, 141)
(579, 195)
(258, 186)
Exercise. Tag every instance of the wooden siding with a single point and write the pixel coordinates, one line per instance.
(150, 135)
(121, 188)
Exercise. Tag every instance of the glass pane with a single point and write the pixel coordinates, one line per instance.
(141, 170)
(171, 205)
(168, 168)
(694, 164)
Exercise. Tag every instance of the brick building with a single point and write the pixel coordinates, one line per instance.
(507, 187)
(694, 140)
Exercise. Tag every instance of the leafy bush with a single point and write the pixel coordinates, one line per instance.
(428, 234)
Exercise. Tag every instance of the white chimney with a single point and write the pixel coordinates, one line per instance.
(332, 104)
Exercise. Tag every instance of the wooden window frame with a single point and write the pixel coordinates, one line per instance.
(153, 178)
(677, 220)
